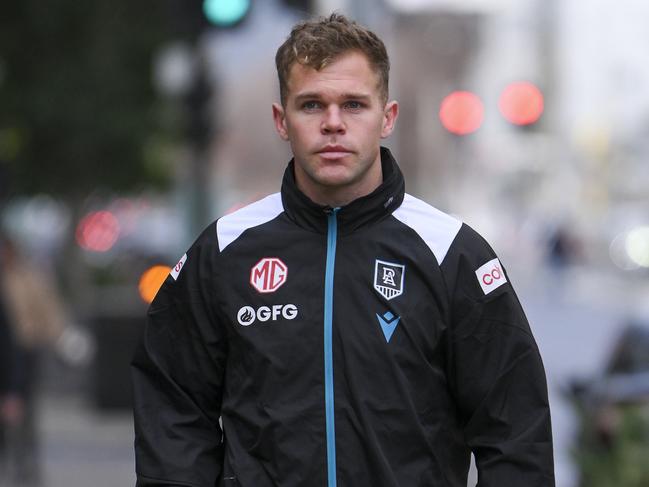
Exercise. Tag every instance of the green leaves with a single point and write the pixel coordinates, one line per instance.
(76, 96)
(613, 446)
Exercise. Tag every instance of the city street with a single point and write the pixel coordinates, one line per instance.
(82, 447)
(124, 130)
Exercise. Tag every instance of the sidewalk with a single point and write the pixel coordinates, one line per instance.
(81, 447)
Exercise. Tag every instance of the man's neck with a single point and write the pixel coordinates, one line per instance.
(336, 197)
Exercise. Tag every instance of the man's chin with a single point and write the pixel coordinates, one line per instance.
(334, 174)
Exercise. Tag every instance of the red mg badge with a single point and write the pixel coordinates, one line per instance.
(268, 275)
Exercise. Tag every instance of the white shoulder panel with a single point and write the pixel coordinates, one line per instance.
(230, 227)
(436, 228)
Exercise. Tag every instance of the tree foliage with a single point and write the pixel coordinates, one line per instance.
(77, 103)
(612, 446)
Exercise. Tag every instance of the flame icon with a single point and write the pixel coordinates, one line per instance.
(246, 316)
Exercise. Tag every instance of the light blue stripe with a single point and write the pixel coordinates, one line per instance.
(332, 232)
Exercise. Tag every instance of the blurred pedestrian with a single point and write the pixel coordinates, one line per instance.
(36, 319)
(342, 332)
(563, 248)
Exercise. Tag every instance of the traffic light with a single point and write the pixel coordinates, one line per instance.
(198, 102)
(192, 17)
(521, 103)
(461, 112)
(225, 13)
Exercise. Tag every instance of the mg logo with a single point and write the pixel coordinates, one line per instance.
(268, 275)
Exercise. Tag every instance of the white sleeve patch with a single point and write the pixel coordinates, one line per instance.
(491, 276)
(435, 228)
(230, 227)
(175, 271)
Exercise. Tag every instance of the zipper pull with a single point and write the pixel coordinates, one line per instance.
(329, 210)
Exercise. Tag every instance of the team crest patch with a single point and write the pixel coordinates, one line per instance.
(388, 278)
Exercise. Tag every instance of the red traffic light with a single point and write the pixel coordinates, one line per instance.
(461, 112)
(98, 231)
(521, 103)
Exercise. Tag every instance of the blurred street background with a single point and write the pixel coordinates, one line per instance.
(127, 127)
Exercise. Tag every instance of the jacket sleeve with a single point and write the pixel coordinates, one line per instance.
(495, 370)
(177, 374)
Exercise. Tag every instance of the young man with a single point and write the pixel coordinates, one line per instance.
(344, 332)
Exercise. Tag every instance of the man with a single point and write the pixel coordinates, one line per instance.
(340, 332)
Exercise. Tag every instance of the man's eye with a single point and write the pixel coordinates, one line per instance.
(354, 105)
(310, 105)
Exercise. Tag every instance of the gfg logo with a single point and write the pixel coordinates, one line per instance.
(247, 315)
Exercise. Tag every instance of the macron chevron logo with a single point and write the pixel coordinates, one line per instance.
(388, 324)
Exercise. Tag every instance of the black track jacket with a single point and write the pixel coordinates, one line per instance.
(375, 345)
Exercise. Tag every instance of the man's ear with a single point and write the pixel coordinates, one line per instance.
(390, 114)
(279, 116)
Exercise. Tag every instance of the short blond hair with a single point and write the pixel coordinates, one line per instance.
(316, 43)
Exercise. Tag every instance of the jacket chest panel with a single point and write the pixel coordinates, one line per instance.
(388, 294)
(273, 295)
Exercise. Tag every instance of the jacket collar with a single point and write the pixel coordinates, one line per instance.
(362, 211)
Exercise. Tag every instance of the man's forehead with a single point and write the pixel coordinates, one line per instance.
(350, 71)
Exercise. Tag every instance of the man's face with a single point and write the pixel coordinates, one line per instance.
(334, 120)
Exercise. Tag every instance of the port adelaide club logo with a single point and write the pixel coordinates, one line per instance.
(388, 278)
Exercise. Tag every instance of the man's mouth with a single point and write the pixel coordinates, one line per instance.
(334, 152)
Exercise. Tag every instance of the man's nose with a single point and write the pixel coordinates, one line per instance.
(333, 122)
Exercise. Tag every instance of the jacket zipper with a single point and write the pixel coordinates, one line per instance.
(332, 233)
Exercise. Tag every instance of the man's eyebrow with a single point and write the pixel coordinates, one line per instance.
(356, 96)
(308, 94)
(345, 96)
